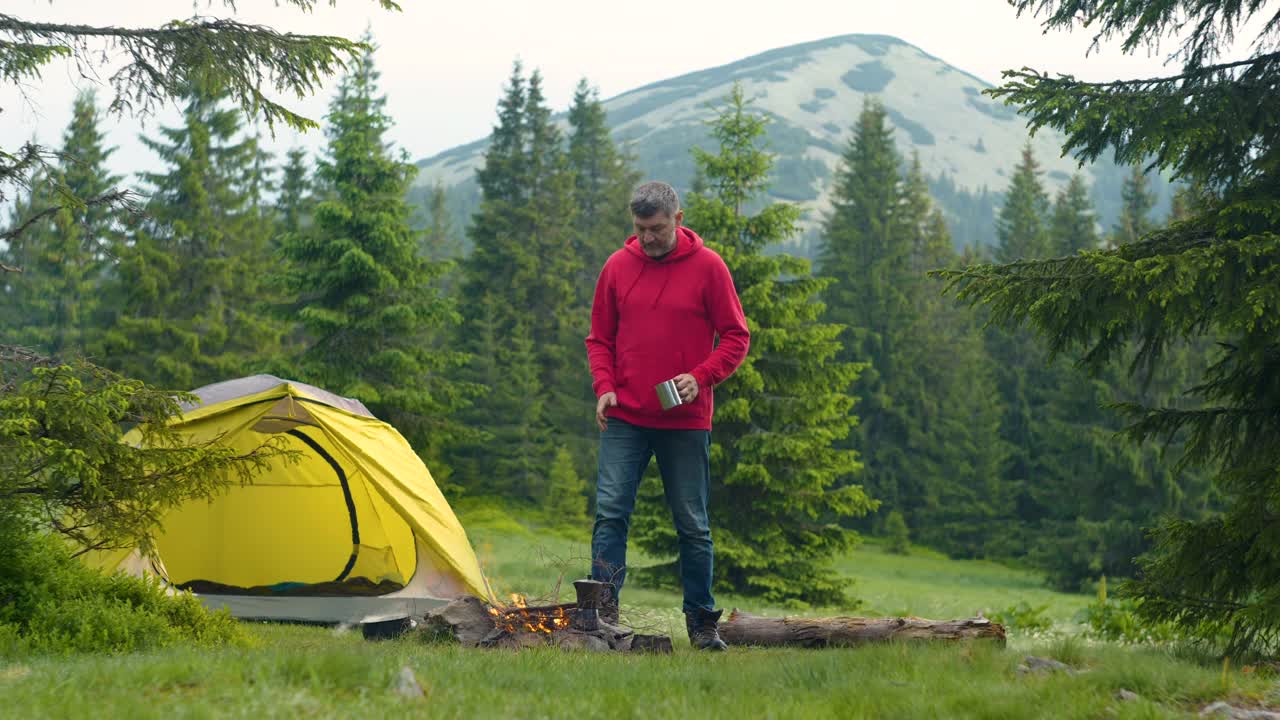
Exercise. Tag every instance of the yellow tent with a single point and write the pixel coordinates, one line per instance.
(353, 531)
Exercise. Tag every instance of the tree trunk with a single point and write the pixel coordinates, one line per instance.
(746, 629)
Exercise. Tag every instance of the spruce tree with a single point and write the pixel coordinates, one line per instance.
(440, 241)
(518, 288)
(780, 483)
(1021, 225)
(548, 217)
(1023, 374)
(1073, 226)
(293, 205)
(866, 256)
(1136, 204)
(52, 305)
(1213, 273)
(603, 180)
(365, 293)
(566, 500)
(951, 443)
(186, 296)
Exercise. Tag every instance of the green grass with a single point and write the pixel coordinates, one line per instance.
(923, 583)
(298, 671)
(930, 585)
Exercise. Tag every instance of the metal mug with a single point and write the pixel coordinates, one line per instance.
(668, 394)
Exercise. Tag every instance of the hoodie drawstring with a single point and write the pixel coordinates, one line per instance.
(666, 277)
(635, 282)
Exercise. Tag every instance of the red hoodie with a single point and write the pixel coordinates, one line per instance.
(652, 320)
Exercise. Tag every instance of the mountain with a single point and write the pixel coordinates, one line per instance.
(813, 92)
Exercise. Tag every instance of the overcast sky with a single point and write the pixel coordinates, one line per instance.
(443, 64)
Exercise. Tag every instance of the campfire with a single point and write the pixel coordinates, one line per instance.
(519, 617)
(476, 623)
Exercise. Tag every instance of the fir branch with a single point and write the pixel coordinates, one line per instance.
(163, 61)
(1070, 82)
(1148, 23)
(123, 199)
(1230, 135)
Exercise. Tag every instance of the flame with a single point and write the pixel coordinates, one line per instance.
(518, 618)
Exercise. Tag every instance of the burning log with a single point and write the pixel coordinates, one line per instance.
(746, 629)
(475, 623)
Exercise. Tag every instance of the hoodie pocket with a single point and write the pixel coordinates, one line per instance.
(640, 373)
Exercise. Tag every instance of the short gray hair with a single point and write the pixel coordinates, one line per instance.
(654, 197)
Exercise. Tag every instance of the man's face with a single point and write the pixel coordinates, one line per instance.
(657, 233)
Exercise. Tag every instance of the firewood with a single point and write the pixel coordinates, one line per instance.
(473, 622)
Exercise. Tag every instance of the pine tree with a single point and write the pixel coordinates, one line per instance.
(897, 533)
(293, 205)
(518, 287)
(566, 500)
(1213, 273)
(951, 445)
(440, 242)
(186, 297)
(366, 300)
(1189, 199)
(1020, 226)
(1073, 226)
(64, 256)
(780, 483)
(1137, 202)
(603, 180)
(556, 330)
(866, 256)
(1023, 374)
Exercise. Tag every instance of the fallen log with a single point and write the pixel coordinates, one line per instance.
(745, 629)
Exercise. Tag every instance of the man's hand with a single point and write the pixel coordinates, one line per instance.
(687, 386)
(605, 402)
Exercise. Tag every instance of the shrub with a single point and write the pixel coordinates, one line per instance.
(55, 604)
(1024, 617)
(1119, 620)
(897, 534)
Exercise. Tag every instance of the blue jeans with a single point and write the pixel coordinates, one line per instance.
(685, 462)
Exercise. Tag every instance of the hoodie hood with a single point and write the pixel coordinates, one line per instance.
(687, 243)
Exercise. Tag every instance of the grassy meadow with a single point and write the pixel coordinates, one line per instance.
(302, 671)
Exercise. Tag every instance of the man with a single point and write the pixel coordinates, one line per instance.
(660, 303)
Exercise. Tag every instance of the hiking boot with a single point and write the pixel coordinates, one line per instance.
(701, 625)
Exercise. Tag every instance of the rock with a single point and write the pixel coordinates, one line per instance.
(660, 644)
(466, 619)
(574, 640)
(1033, 664)
(1223, 710)
(1127, 695)
(522, 640)
(407, 684)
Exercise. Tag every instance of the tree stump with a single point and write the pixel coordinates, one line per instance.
(745, 629)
